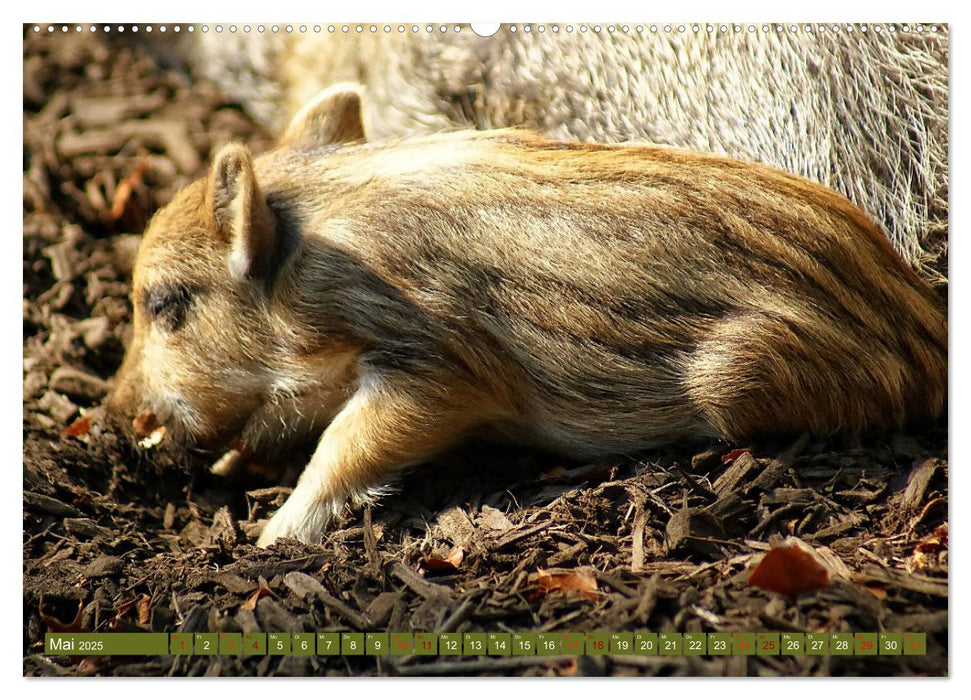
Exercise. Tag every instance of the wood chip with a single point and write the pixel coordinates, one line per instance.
(417, 583)
(51, 506)
(918, 482)
(77, 384)
(778, 466)
(493, 519)
(903, 579)
(637, 547)
(743, 465)
(303, 585)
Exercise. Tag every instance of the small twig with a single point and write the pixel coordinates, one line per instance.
(523, 534)
(371, 545)
(452, 622)
(695, 485)
(637, 546)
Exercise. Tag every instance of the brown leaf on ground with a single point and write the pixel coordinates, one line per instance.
(583, 582)
(933, 543)
(250, 603)
(877, 592)
(927, 552)
(437, 565)
(55, 625)
(144, 613)
(79, 428)
(790, 570)
(730, 457)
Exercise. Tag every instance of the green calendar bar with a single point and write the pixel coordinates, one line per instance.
(377, 643)
(106, 644)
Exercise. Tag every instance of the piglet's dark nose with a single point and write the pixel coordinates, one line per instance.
(145, 424)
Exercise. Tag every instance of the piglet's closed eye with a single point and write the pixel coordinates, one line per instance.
(241, 213)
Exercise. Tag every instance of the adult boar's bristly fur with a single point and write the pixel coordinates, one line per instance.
(584, 298)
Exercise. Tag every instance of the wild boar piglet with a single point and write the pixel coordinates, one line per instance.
(588, 299)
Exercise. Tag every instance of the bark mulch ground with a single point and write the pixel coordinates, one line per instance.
(117, 538)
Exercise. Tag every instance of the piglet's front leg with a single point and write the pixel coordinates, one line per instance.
(388, 424)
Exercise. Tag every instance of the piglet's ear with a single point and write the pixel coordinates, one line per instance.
(241, 213)
(333, 116)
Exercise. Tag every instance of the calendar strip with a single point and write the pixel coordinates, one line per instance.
(487, 644)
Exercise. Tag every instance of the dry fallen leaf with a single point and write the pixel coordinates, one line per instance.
(583, 582)
(79, 428)
(877, 592)
(790, 569)
(933, 543)
(55, 625)
(250, 603)
(144, 613)
(438, 565)
(925, 554)
(730, 457)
